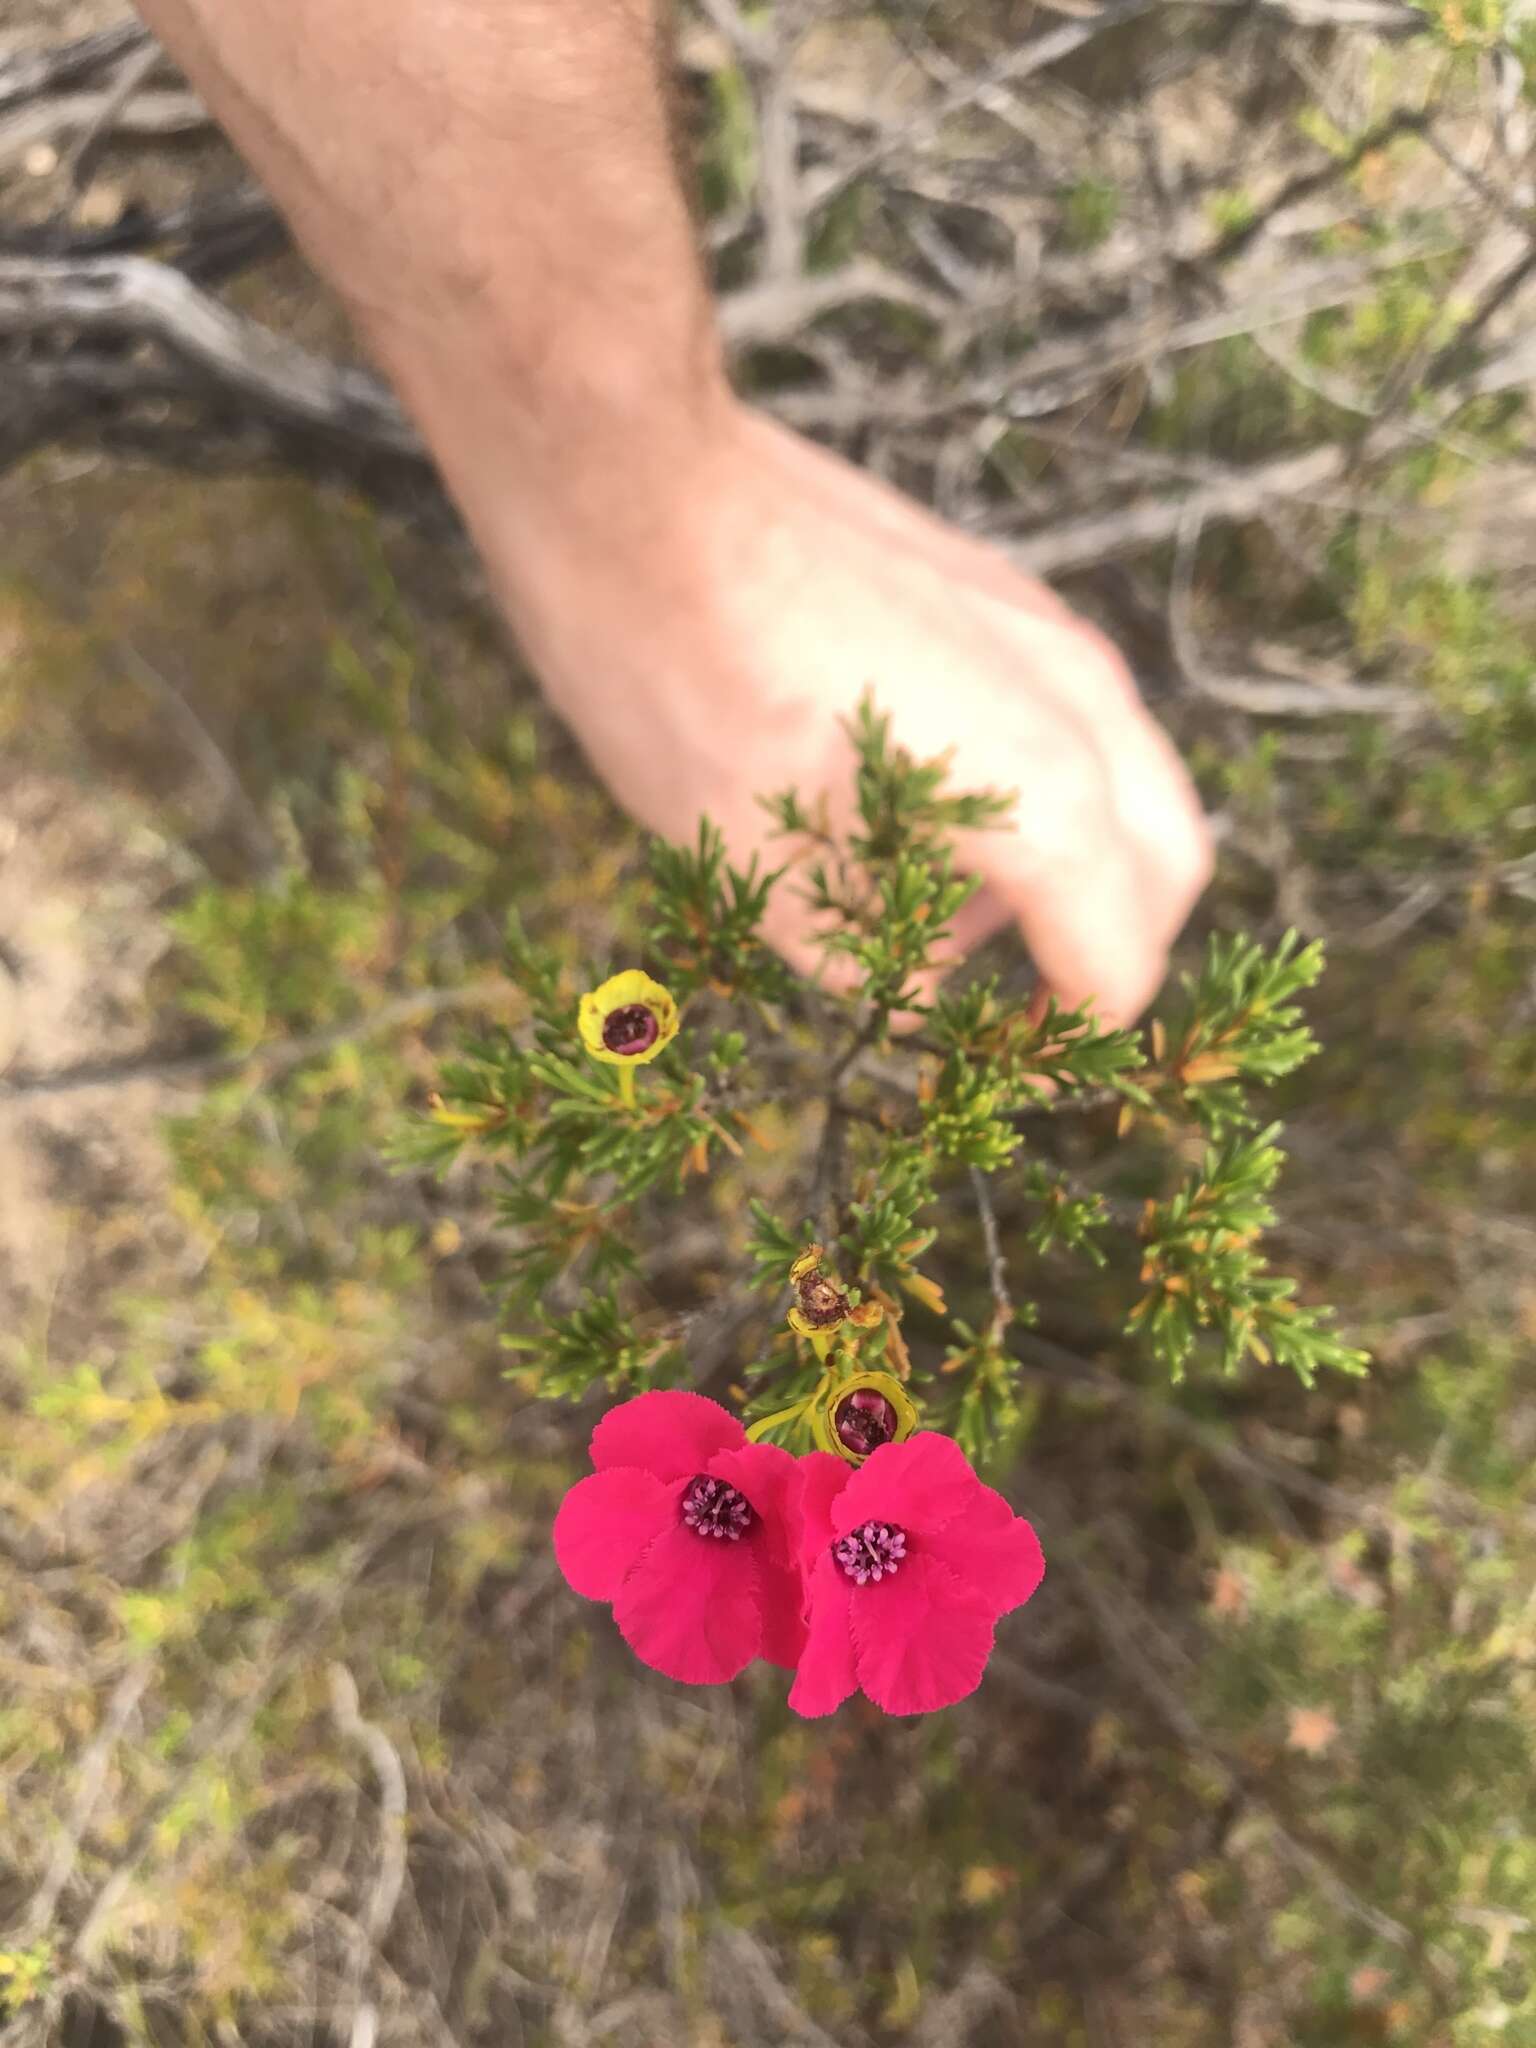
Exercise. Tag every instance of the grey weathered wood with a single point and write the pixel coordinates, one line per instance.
(134, 295)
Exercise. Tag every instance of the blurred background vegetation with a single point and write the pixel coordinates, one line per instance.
(1219, 315)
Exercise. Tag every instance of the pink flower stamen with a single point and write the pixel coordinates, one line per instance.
(633, 1029)
(873, 1551)
(711, 1508)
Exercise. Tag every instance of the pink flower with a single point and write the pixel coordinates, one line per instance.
(909, 1561)
(692, 1533)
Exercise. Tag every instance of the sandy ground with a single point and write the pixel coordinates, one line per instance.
(83, 876)
(82, 882)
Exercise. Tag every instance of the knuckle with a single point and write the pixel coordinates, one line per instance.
(1190, 858)
(1101, 664)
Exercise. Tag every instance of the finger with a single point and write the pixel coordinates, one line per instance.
(791, 929)
(1155, 804)
(1079, 906)
(977, 919)
(1077, 668)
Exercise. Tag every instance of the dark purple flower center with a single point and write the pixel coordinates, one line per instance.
(711, 1508)
(874, 1551)
(864, 1421)
(633, 1029)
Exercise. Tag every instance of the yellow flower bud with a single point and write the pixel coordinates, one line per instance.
(853, 1417)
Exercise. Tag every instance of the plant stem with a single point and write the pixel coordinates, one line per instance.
(759, 1429)
(997, 1267)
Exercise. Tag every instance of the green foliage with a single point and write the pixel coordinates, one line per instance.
(1388, 1671)
(1064, 1216)
(1204, 1272)
(1230, 211)
(1469, 25)
(1240, 1028)
(596, 1341)
(728, 166)
(889, 887)
(225, 1434)
(989, 1414)
(884, 1230)
(583, 1153)
(774, 1245)
(906, 1131)
(25, 1974)
(291, 952)
(1410, 808)
(1035, 1051)
(706, 917)
(1090, 209)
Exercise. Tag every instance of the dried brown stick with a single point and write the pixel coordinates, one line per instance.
(134, 71)
(1149, 522)
(389, 1871)
(93, 118)
(31, 72)
(134, 295)
(90, 1778)
(997, 1266)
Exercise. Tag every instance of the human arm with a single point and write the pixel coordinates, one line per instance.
(490, 185)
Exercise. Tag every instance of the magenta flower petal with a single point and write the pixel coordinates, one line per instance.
(827, 1673)
(921, 1638)
(921, 1484)
(767, 1475)
(692, 1608)
(992, 1550)
(669, 1433)
(783, 1598)
(605, 1522)
(822, 1479)
(769, 1478)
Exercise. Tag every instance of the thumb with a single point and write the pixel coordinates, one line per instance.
(1083, 917)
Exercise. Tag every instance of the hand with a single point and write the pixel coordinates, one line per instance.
(711, 655)
(704, 595)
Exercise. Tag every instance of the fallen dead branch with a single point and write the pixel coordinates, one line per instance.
(126, 296)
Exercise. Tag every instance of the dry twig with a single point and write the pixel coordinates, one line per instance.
(389, 1873)
(132, 295)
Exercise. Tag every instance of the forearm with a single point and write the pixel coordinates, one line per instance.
(489, 184)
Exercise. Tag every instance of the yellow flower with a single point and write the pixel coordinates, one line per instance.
(855, 1416)
(627, 1021)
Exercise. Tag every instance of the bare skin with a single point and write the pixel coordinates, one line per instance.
(490, 185)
